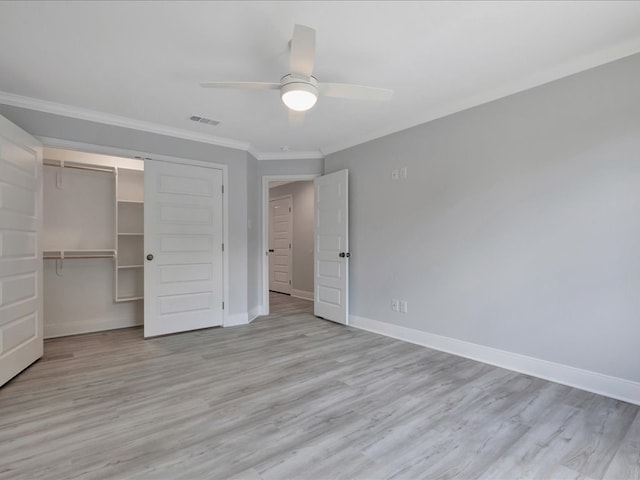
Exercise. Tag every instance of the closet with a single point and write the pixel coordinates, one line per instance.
(92, 241)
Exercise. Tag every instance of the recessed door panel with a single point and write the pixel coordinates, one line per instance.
(171, 304)
(329, 269)
(18, 245)
(19, 332)
(185, 273)
(187, 214)
(185, 185)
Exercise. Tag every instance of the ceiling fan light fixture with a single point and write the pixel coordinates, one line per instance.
(299, 96)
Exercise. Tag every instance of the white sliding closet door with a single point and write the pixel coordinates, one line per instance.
(21, 335)
(183, 271)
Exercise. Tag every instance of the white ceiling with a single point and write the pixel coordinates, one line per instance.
(140, 63)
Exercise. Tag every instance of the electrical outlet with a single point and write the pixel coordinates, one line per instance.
(403, 306)
(395, 305)
(394, 174)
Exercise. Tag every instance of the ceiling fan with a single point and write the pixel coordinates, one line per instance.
(299, 89)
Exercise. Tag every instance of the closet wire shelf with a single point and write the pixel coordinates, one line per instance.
(70, 254)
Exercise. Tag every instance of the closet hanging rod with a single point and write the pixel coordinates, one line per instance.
(93, 168)
(71, 254)
(71, 257)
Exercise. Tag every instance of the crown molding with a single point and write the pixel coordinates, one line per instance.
(308, 155)
(116, 120)
(556, 72)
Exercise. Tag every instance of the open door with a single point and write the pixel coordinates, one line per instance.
(331, 245)
(183, 271)
(21, 327)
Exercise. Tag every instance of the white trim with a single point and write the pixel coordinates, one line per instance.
(599, 383)
(253, 314)
(265, 228)
(302, 294)
(121, 152)
(89, 326)
(236, 320)
(305, 155)
(116, 120)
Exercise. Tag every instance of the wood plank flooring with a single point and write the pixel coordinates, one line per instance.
(295, 397)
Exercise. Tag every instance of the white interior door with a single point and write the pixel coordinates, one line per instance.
(183, 277)
(280, 233)
(21, 341)
(331, 245)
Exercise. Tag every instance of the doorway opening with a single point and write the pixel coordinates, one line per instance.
(288, 217)
(92, 240)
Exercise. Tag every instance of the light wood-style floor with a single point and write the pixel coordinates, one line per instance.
(295, 397)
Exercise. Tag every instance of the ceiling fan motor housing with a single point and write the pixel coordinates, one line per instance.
(299, 94)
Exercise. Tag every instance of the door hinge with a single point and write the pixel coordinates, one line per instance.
(289, 282)
(222, 188)
(223, 305)
(289, 245)
(223, 247)
(289, 209)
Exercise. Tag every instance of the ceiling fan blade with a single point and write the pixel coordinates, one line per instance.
(355, 92)
(296, 119)
(303, 51)
(244, 85)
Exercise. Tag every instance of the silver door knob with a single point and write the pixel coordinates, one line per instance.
(150, 257)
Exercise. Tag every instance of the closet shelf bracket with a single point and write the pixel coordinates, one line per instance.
(59, 176)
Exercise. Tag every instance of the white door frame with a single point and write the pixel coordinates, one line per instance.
(265, 228)
(123, 152)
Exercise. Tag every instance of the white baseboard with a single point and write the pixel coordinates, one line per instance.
(236, 319)
(254, 313)
(89, 326)
(301, 294)
(599, 383)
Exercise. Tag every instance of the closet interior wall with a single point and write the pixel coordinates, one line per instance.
(85, 284)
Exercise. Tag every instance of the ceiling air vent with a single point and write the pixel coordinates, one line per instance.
(208, 121)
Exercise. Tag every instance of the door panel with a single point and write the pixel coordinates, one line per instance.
(331, 240)
(280, 233)
(21, 338)
(183, 232)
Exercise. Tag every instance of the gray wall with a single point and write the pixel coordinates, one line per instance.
(302, 251)
(56, 126)
(254, 237)
(518, 226)
(291, 167)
